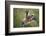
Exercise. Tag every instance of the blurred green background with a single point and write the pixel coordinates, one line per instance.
(20, 13)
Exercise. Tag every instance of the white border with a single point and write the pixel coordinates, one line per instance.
(29, 28)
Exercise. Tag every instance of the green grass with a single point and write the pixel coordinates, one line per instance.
(19, 14)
